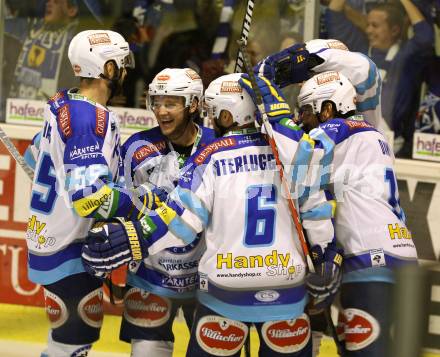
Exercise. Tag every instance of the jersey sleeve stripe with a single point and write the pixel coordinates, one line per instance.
(321, 212)
(193, 203)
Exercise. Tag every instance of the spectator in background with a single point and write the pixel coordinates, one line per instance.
(192, 48)
(138, 27)
(401, 62)
(42, 66)
(428, 117)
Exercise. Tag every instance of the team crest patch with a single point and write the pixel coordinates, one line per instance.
(211, 148)
(220, 336)
(287, 336)
(361, 329)
(55, 309)
(144, 309)
(90, 308)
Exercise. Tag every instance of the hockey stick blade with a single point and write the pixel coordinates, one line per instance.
(15, 154)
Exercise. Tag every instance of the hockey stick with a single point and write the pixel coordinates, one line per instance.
(294, 213)
(273, 145)
(246, 27)
(15, 154)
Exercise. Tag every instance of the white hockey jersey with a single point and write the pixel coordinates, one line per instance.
(362, 73)
(76, 164)
(253, 268)
(148, 156)
(370, 223)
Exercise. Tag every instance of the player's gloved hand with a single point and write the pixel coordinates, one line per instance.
(285, 67)
(146, 197)
(324, 283)
(274, 103)
(110, 245)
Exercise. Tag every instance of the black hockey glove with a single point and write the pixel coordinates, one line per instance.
(324, 283)
(110, 245)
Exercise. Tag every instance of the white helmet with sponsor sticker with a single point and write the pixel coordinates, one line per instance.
(225, 93)
(318, 44)
(90, 50)
(183, 82)
(328, 86)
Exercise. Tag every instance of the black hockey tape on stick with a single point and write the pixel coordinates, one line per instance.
(15, 154)
(245, 29)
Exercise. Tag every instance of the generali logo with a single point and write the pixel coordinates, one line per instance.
(64, 121)
(101, 119)
(287, 336)
(147, 150)
(220, 336)
(211, 148)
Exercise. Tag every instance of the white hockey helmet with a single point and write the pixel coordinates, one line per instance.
(225, 93)
(182, 82)
(90, 50)
(318, 44)
(328, 86)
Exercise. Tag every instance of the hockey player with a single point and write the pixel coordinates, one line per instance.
(76, 167)
(301, 61)
(369, 224)
(253, 269)
(168, 278)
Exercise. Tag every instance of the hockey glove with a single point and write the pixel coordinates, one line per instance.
(110, 245)
(274, 103)
(324, 283)
(149, 197)
(285, 67)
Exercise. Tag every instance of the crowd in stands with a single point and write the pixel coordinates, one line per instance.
(400, 36)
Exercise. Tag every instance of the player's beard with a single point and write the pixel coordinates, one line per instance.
(181, 128)
(115, 85)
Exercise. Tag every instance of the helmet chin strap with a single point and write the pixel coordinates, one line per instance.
(113, 83)
(223, 130)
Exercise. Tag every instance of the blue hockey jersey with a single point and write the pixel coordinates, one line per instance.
(148, 156)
